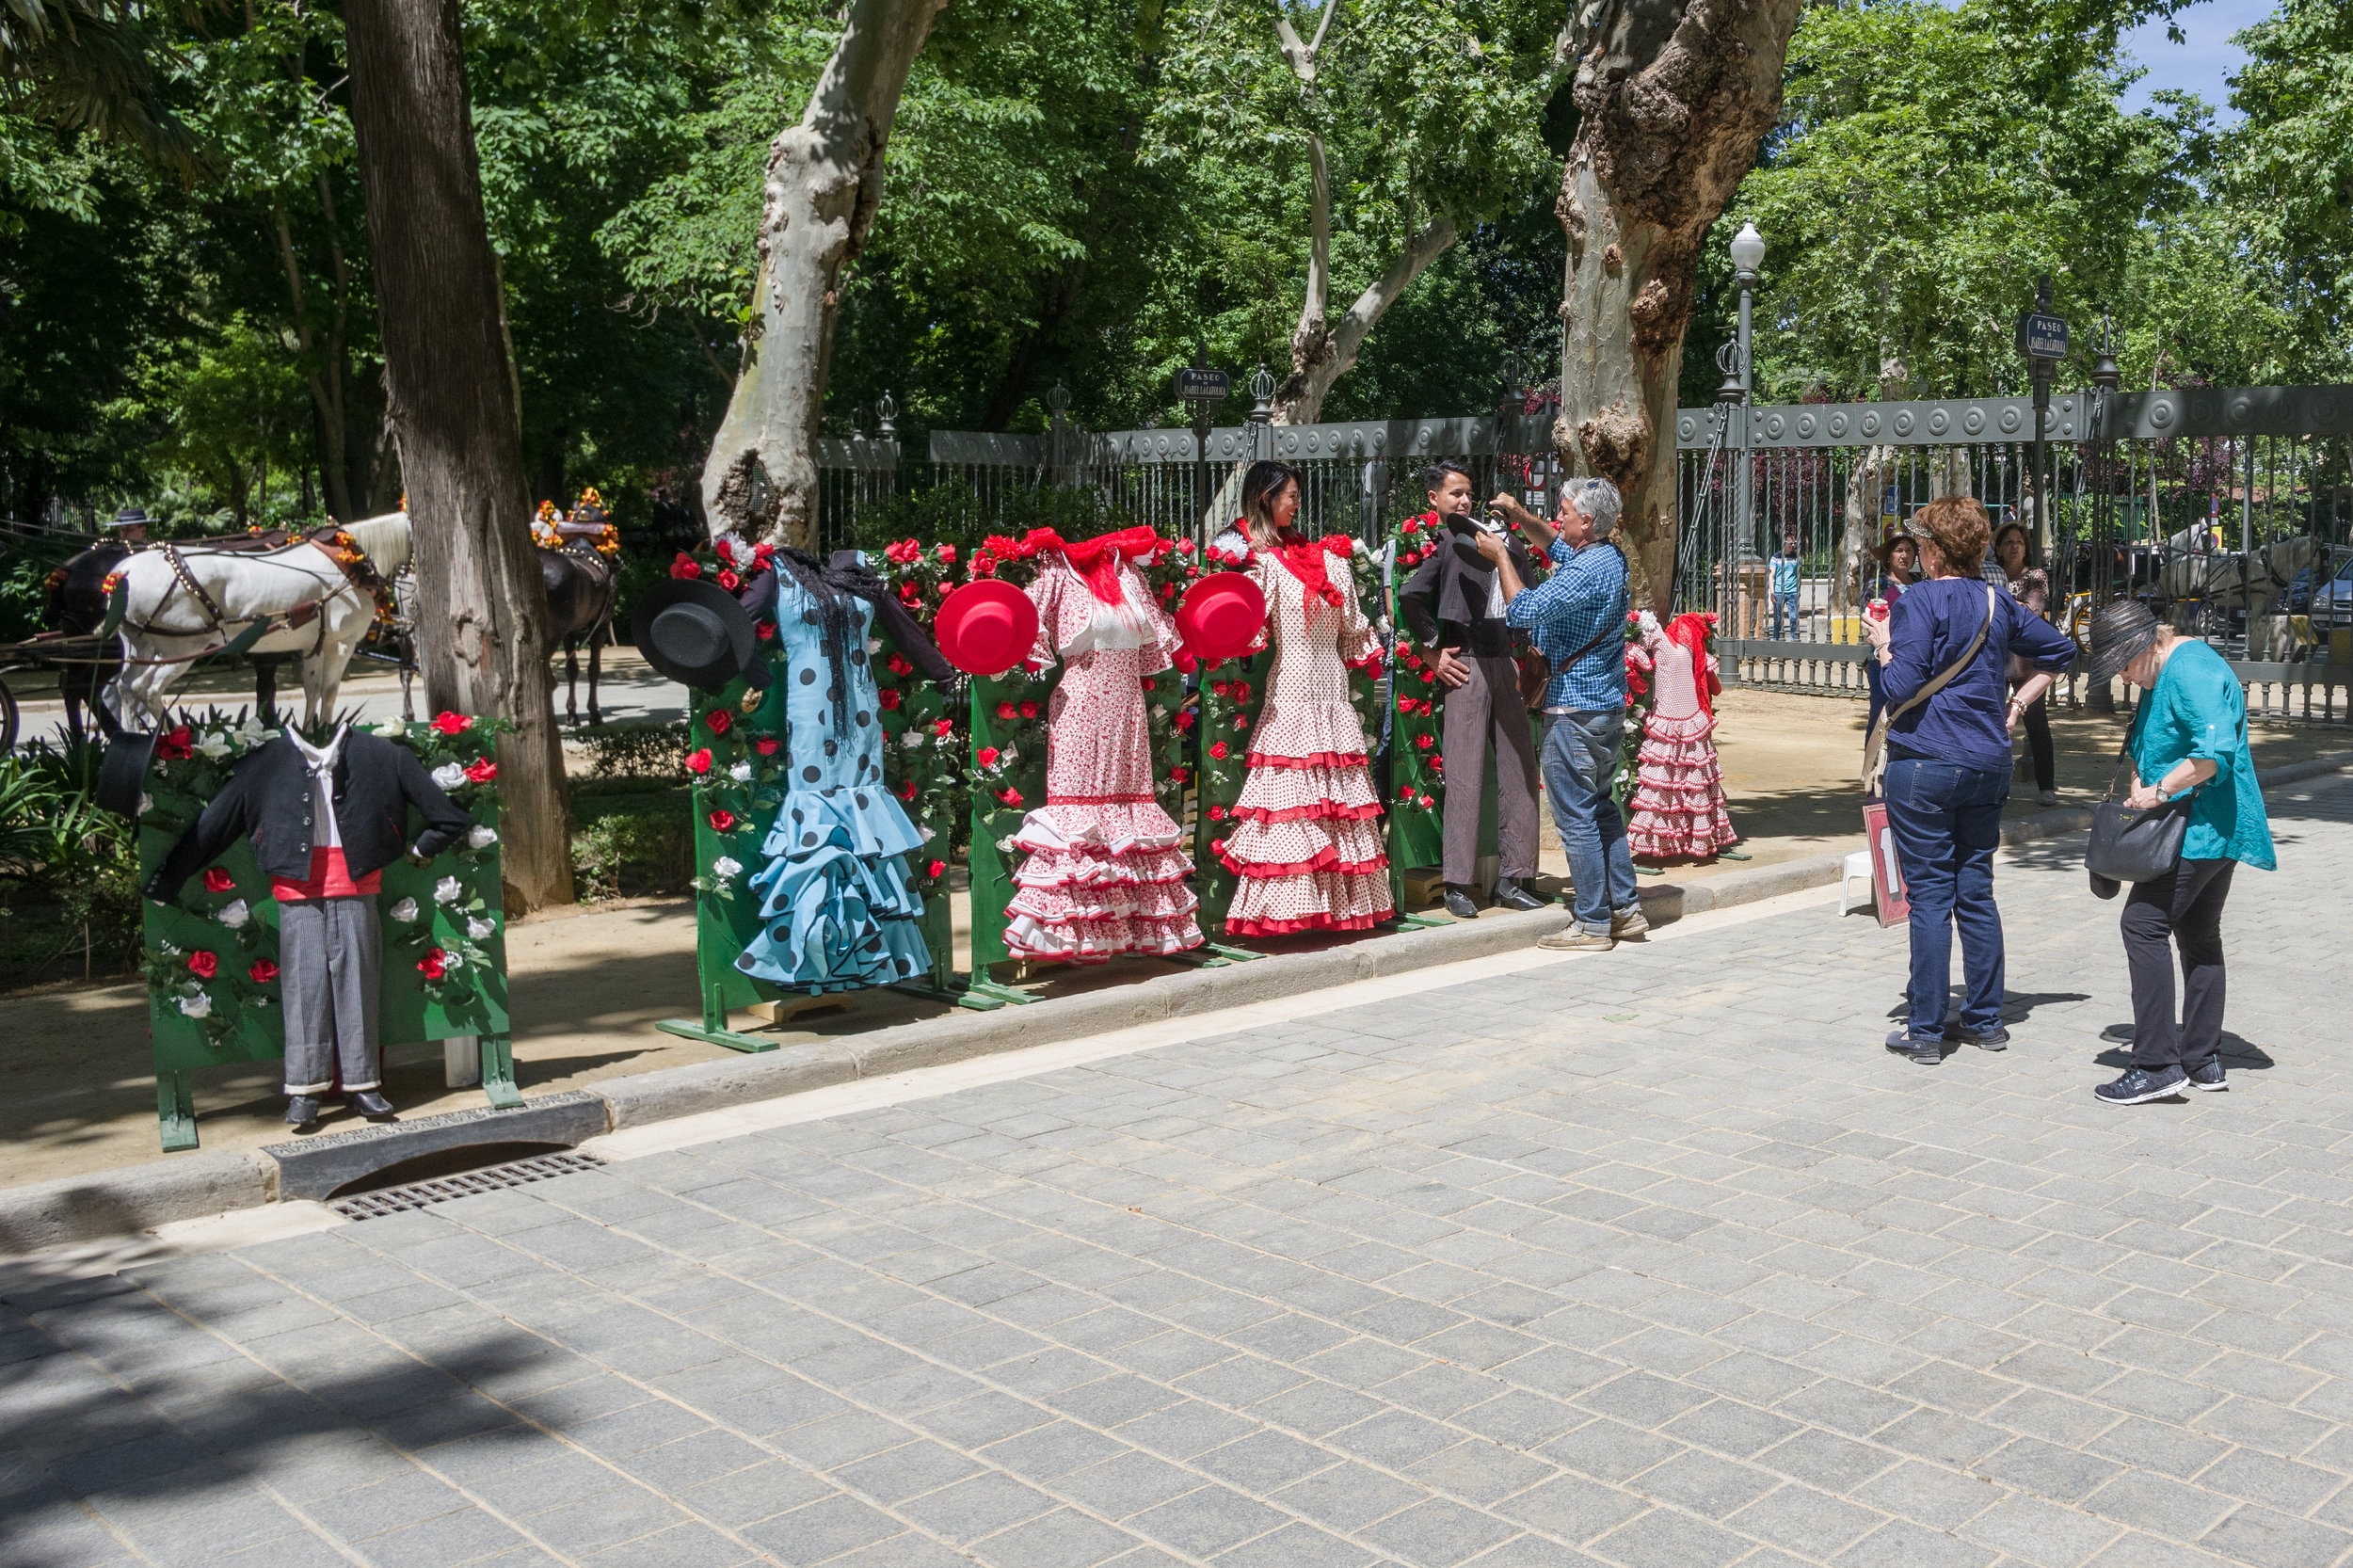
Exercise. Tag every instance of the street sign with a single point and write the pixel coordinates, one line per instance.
(1195, 383)
(2041, 337)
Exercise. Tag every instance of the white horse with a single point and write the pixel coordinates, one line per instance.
(2234, 580)
(183, 601)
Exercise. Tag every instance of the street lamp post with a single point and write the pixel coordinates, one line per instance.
(1201, 389)
(1748, 256)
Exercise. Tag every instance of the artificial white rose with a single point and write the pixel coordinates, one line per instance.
(449, 775)
(197, 1006)
(405, 911)
(912, 739)
(146, 804)
(393, 729)
(482, 838)
(741, 773)
(212, 745)
(874, 645)
(1004, 845)
(451, 961)
(727, 868)
(479, 929)
(448, 891)
(235, 915)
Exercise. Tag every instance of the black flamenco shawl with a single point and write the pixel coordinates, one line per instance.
(832, 585)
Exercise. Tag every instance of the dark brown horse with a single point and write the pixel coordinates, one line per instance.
(582, 586)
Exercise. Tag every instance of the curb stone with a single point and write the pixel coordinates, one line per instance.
(141, 1197)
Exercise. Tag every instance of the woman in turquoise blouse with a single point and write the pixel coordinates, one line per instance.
(2190, 735)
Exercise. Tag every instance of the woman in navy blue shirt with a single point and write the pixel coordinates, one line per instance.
(1949, 766)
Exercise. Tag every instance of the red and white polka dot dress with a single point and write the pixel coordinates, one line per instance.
(1305, 845)
(1105, 872)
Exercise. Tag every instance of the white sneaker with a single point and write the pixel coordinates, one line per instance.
(1575, 941)
(2048, 797)
(1629, 925)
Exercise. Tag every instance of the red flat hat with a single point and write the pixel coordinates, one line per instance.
(985, 628)
(1220, 614)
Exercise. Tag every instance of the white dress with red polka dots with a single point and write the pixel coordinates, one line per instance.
(1105, 870)
(1305, 845)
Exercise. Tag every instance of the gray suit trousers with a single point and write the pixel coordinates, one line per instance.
(1487, 707)
(329, 960)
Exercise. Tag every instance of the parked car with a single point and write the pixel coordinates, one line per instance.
(2332, 601)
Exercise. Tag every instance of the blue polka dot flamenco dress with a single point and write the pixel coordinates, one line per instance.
(837, 908)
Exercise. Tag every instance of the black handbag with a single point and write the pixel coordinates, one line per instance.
(2127, 845)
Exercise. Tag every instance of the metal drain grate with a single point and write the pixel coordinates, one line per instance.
(465, 1184)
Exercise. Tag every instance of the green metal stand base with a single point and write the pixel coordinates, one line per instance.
(1731, 855)
(1237, 956)
(1650, 870)
(1002, 995)
(175, 1108)
(959, 996)
(1419, 922)
(751, 1045)
(498, 1072)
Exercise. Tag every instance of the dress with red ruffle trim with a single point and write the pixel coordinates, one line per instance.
(1104, 870)
(1680, 811)
(1305, 844)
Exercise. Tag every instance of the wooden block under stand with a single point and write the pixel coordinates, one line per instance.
(1424, 883)
(785, 1009)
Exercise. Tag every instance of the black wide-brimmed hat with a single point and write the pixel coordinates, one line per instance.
(2120, 632)
(130, 517)
(697, 633)
(122, 776)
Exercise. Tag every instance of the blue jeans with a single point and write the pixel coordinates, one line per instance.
(1580, 762)
(1879, 696)
(1784, 605)
(1947, 821)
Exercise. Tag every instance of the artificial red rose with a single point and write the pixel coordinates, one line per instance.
(218, 880)
(1242, 691)
(263, 972)
(685, 566)
(1186, 662)
(203, 964)
(721, 821)
(1427, 677)
(986, 757)
(945, 590)
(1405, 705)
(899, 666)
(888, 698)
(907, 790)
(699, 761)
(902, 553)
(1430, 803)
(1007, 711)
(1031, 667)
(1241, 720)
(1222, 688)
(1217, 749)
(1184, 718)
(760, 553)
(719, 721)
(942, 728)
(767, 746)
(1217, 813)
(936, 870)
(1424, 741)
(446, 723)
(1009, 795)
(1411, 525)
(175, 745)
(984, 564)
(1168, 591)
(947, 554)
(1148, 683)
(1184, 547)
(434, 965)
(1028, 710)
(1180, 774)
(482, 772)
(1637, 685)
(728, 581)
(910, 595)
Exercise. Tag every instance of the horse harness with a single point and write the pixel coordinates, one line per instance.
(359, 574)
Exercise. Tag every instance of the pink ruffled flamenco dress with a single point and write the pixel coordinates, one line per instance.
(1678, 802)
(1105, 872)
(1305, 845)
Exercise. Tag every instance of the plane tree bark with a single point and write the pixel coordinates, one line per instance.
(455, 415)
(1672, 98)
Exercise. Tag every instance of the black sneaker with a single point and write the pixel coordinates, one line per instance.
(1996, 1038)
(1927, 1054)
(2138, 1084)
(1459, 904)
(2209, 1076)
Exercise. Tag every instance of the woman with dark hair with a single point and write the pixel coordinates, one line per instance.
(1943, 654)
(2014, 547)
(2190, 735)
(1899, 563)
(1304, 846)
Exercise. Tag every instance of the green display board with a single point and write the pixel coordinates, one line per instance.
(211, 956)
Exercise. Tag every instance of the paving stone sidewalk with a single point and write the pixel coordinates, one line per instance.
(1654, 1260)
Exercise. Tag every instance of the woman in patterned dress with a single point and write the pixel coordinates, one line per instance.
(1306, 850)
(1678, 802)
(1106, 873)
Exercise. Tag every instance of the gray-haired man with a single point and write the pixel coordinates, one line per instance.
(1578, 616)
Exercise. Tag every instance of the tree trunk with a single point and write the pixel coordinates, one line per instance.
(1672, 97)
(1319, 357)
(321, 374)
(483, 615)
(825, 184)
(1866, 484)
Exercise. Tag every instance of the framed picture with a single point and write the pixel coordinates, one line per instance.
(1888, 898)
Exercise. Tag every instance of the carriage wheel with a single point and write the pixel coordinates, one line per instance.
(8, 719)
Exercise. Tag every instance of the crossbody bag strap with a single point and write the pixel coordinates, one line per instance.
(1874, 759)
(1618, 618)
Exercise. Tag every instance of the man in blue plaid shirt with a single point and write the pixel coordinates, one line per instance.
(1578, 618)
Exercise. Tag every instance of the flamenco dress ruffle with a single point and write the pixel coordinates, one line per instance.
(1099, 881)
(838, 909)
(1678, 806)
(1305, 845)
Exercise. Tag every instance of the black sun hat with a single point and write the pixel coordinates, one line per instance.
(122, 776)
(698, 634)
(2120, 632)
